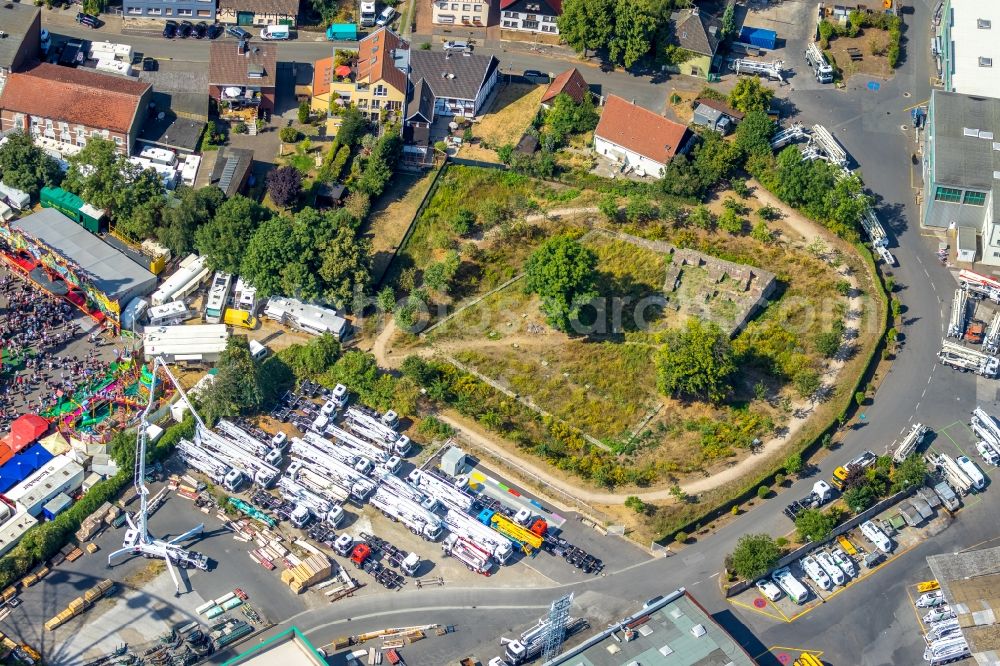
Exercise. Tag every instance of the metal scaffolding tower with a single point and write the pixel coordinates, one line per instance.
(555, 632)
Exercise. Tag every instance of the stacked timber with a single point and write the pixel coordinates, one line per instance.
(308, 572)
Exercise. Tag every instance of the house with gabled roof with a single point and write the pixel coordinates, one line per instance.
(698, 34)
(570, 83)
(639, 139)
(66, 106)
(242, 76)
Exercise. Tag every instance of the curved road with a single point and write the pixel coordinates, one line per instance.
(868, 124)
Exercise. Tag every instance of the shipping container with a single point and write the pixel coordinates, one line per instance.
(73, 207)
(759, 37)
(56, 505)
(343, 32)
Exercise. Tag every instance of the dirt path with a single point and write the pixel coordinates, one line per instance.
(807, 232)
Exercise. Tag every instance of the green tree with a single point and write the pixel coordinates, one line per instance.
(860, 497)
(909, 474)
(695, 362)
(304, 112)
(753, 134)
(95, 174)
(814, 525)
(750, 94)
(639, 209)
(608, 205)
(633, 33)
(793, 463)
(463, 221)
(586, 25)
(761, 232)
(25, 166)
(567, 116)
(763, 492)
(438, 276)
(828, 342)
(184, 212)
(730, 222)
(353, 126)
(807, 382)
(268, 255)
(224, 239)
(346, 265)
(636, 504)
(386, 299)
(561, 272)
(754, 556)
(236, 388)
(728, 28)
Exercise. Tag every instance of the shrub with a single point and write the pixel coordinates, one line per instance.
(304, 112)
(779, 479)
(240, 128)
(681, 537)
(793, 463)
(289, 135)
(763, 492)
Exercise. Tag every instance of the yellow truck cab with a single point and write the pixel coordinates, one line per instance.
(806, 659)
(241, 318)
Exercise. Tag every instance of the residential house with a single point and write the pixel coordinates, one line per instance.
(639, 139)
(474, 13)
(62, 107)
(258, 12)
(191, 10)
(232, 170)
(374, 83)
(968, 48)
(21, 45)
(530, 15)
(570, 83)
(699, 35)
(241, 77)
(459, 83)
(715, 115)
(961, 166)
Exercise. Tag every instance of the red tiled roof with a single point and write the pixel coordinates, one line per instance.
(640, 130)
(322, 76)
(375, 61)
(74, 95)
(570, 82)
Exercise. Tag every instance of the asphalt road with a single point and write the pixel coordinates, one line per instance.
(868, 124)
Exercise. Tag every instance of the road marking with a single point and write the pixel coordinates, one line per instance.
(919, 259)
(916, 105)
(714, 575)
(928, 379)
(933, 286)
(926, 273)
(924, 393)
(368, 616)
(781, 616)
(917, 408)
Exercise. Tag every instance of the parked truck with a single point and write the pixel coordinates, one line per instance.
(417, 519)
(948, 496)
(910, 443)
(821, 68)
(368, 14)
(342, 32)
(474, 557)
(956, 476)
(866, 459)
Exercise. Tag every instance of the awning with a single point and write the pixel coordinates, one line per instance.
(25, 431)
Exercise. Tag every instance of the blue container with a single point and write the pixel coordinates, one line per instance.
(57, 505)
(486, 516)
(759, 37)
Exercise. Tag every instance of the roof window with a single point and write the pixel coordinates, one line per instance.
(985, 62)
(984, 24)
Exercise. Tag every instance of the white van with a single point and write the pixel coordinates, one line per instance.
(272, 32)
(874, 534)
(795, 590)
(972, 471)
(257, 350)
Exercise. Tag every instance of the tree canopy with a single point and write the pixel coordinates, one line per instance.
(184, 212)
(586, 25)
(26, 167)
(236, 388)
(695, 362)
(561, 272)
(754, 556)
(634, 27)
(284, 184)
(223, 240)
(749, 94)
(814, 525)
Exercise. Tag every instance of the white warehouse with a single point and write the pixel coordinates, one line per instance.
(62, 474)
(198, 343)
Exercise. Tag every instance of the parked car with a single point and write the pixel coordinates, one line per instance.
(457, 45)
(170, 29)
(769, 589)
(535, 76)
(214, 31)
(150, 64)
(238, 32)
(184, 29)
(88, 19)
(200, 30)
(930, 599)
(385, 18)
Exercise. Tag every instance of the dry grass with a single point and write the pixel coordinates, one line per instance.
(871, 65)
(682, 109)
(512, 111)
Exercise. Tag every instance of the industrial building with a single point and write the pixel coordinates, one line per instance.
(961, 169)
(966, 47)
(66, 259)
(62, 474)
(13, 529)
(200, 343)
(969, 581)
(289, 648)
(673, 631)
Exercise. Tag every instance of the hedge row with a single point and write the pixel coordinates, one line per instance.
(46, 539)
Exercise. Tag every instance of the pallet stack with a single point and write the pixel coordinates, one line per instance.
(81, 604)
(308, 572)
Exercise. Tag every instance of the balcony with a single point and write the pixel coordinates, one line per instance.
(237, 97)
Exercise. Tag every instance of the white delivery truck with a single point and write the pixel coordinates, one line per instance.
(795, 590)
(972, 471)
(276, 32)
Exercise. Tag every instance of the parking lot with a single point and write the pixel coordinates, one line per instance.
(795, 24)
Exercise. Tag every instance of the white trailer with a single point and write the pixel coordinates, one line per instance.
(771, 70)
(218, 293)
(360, 486)
(829, 145)
(909, 443)
(242, 439)
(490, 540)
(359, 446)
(416, 518)
(441, 490)
(377, 429)
(192, 269)
(530, 643)
(968, 360)
(341, 453)
(315, 481)
(959, 310)
(403, 489)
(475, 558)
(980, 285)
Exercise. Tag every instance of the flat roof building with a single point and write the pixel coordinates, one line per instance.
(961, 169)
(107, 276)
(674, 631)
(968, 45)
(197, 343)
(289, 648)
(970, 581)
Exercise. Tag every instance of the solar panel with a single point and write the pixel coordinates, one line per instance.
(228, 171)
